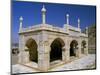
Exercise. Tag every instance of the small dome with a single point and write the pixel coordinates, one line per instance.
(43, 9)
(21, 18)
(78, 20)
(67, 15)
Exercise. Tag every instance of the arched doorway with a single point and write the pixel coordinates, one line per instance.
(73, 48)
(83, 46)
(56, 49)
(32, 48)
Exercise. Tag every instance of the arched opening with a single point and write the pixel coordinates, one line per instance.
(56, 49)
(83, 46)
(73, 48)
(32, 48)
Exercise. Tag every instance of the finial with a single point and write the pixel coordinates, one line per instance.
(78, 20)
(43, 15)
(43, 9)
(21, 19)
(86, 30)
(67, 16)
(86, 27)
(78, 23)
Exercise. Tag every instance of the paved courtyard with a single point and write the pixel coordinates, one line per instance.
(86, 62)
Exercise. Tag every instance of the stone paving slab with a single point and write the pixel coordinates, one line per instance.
(18, 68)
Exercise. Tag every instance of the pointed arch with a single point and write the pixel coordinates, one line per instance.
(32, 48)
(56, 49)
(73, 47)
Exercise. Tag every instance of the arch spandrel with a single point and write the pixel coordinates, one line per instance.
(61, 39)
(31, 37)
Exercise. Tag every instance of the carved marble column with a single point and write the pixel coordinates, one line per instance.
(78, 51)
(66, 56)
(65, 52)
(21, 48)
(23, 55)
(43, 57)
(86, 49)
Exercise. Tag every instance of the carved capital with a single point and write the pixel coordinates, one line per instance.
(40, 43)
(46, 43)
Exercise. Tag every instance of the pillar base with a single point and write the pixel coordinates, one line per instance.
(43, 62)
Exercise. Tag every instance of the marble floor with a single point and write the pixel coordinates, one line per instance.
(85, 62)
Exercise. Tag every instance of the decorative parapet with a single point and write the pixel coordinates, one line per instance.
(74, 28)
(84, 35)
(42, 27)
(54, 29)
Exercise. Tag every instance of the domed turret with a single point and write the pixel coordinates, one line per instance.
(43, 10)
(21, 22)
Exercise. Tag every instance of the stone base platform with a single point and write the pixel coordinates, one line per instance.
(86, 62)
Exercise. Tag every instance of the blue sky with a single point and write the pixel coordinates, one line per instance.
(55, 15)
